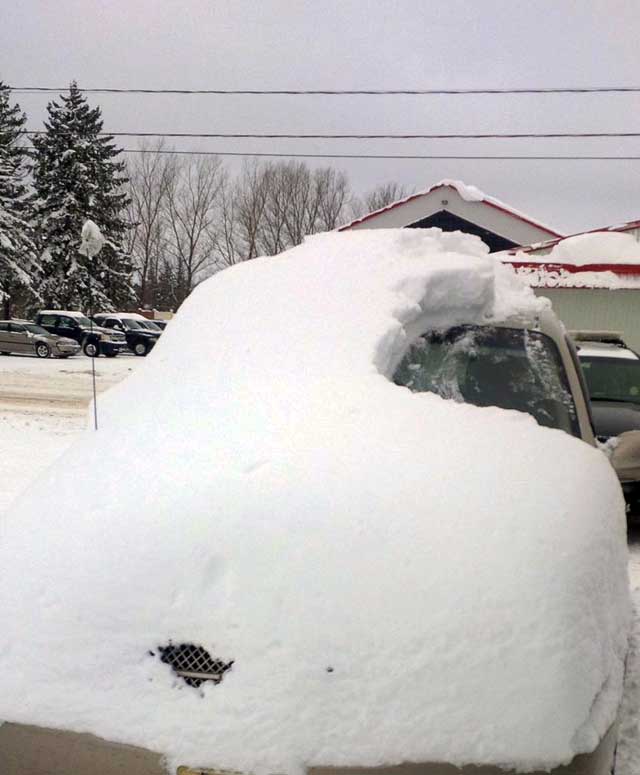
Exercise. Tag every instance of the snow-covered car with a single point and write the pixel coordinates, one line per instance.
(157, 326)
(26, 338)
(140, 339)
(327, 570)
(612, 372)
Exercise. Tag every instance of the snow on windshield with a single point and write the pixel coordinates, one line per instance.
(377, 576)
(493, 366)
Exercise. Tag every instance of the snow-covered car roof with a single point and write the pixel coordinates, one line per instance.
(587, 349)
(119, 315)
(395, 577)
(68, 313)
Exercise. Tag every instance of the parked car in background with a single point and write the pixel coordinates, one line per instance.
(612, 373)
(25, 337)
(523, 365)
(151, 325)
(161, 324)
(140, 339)
(93, 339)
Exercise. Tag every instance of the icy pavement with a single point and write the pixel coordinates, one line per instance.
(30, 385)
(43, 409)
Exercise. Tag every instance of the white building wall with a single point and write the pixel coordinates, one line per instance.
(598, 308)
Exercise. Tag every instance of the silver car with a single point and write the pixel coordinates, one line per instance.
(26, 338)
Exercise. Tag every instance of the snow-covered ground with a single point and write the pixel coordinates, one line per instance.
(43, 408)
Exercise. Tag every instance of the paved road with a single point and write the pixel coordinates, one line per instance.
(35, 386)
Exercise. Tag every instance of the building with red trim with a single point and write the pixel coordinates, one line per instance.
(589, 288)
(453, 206)
(591, 278)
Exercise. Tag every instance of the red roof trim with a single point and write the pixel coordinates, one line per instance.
(622, 269)
(501, 207)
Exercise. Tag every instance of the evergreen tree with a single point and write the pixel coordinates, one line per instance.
(77, 176)
(19, 269)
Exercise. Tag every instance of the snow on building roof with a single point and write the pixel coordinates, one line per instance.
(469, 194)
(596, 259)
(548, 244)
(395, 577)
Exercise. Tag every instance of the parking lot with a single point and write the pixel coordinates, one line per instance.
(43, 407)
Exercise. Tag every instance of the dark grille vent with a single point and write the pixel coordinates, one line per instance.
(193, 663)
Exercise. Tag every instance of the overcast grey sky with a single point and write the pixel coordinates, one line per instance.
(353, 44)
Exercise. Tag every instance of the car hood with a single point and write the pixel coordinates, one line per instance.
(611, 418)
(98, 329)
(395, 577)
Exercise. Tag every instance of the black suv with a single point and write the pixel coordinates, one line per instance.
(93, 339)
(140, 339)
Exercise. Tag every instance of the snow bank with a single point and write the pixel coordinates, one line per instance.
(396, 577)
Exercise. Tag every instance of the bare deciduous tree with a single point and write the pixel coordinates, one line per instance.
(379, 197)
(193, 219)
(273, 206)
(191, 209)
(151, 174)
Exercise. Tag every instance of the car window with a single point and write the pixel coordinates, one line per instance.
(34, 329)
(4, 326)
(132, 324)
(510, 368)
(17, 328)
(612, 379)
(48, 320)
(67, 322)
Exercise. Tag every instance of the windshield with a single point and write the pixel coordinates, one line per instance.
(130, 323)
(510, 368)
(82, 321)
(150, 325)
(36, 329)
(612, 379)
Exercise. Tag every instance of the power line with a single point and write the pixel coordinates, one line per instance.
(373, 136)
(343, 92)
(414, 157)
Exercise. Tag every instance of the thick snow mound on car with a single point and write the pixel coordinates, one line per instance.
(396, 577)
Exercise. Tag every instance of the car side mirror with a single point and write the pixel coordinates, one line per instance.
(625, 456)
